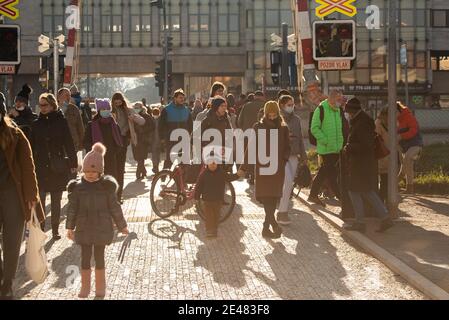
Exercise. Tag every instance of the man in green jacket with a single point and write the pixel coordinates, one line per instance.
(329, 137)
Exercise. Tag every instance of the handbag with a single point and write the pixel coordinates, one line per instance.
(303, 178)
(380, 149)
(35, 256)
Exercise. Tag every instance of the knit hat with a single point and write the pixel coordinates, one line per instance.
(24, 94)
(271, 107)
(103, 104)
(94, 160)
(2, 104)
(217, 102)
(353, 106)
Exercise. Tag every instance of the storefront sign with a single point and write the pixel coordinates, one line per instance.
(368, 88)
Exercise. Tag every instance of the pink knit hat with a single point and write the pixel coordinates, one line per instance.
(94, 160)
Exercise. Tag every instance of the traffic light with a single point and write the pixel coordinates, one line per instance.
(334, 40)
(9, 44)
(275, 59)
(169, 44)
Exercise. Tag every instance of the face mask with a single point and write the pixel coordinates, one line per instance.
(289, 110)
(105, 113)
(20, 108)
(137, 110)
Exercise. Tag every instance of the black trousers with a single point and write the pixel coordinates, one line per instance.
(86, 256)
(121, 162)
(270, 205)
(12, 225)
(328, 171)
(55, 209)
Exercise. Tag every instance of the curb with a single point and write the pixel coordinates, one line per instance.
(415, 279)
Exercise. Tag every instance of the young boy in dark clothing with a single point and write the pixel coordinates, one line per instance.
(211, 189)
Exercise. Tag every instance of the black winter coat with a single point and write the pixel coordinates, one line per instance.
(91, 209)
(144, 134)
(51, 141)
(359, 155)
(24, 120)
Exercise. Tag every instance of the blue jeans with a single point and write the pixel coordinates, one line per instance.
(373, 198)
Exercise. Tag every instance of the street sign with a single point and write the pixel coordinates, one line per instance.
(9, 44)
(328, 7)
(7, 69)
(7, 9)
(329, 65)
(334, 40)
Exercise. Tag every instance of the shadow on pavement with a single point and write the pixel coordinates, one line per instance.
(214, 254)
(135, 189)
(312, 271)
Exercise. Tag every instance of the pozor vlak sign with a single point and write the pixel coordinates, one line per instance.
(334, 44)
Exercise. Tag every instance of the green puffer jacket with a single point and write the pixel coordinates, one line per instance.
(329, 134)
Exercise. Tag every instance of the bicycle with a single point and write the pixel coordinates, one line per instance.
(169, 191)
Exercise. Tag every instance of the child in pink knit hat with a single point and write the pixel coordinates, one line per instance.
(92, 208)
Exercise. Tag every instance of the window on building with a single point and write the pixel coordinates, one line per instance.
(140, 23)
(111, 23)
(199, 22)
(53, 16)
(173, 20)
(440, 60)
(87, 22)
(228, 23)
(440, 18)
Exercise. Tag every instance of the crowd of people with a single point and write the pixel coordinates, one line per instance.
(38, 156)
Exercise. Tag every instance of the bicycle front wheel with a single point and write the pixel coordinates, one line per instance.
(227, 207)
(165, 194)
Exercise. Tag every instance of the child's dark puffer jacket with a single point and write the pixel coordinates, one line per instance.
(91, 209)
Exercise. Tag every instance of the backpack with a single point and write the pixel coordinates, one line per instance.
(312, 138)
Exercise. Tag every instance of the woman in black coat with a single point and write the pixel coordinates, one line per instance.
(144, 136)
(362, 167)
(54, 155)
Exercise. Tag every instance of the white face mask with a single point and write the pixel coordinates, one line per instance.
(20, 108)
(289, 110)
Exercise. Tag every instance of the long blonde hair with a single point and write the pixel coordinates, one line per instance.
(6, 132)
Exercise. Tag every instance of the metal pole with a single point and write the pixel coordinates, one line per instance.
(88, 50)
(406, 81)
(4, 77)
(55, 65)
(165, 55)
(285, 79)
(392, 114)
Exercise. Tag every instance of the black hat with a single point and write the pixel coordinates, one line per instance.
(353, 106)
(2, 104)
(24, 94)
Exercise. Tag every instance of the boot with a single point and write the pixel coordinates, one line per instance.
(410, 189)
(55, 231)
(266, 232)
(85, 283)
(6, 292)
(277, 231)
(100, 283)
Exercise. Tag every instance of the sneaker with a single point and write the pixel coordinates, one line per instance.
(356, 226)
(56, 237)
(317, 201)
(283, 218)
(385, 225)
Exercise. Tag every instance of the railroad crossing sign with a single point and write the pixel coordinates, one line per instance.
(328, 7)
(46, 43)
(7, 9)
(277, 42)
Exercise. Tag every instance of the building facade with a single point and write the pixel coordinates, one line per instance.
(229, 40)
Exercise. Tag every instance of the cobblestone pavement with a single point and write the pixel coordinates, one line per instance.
(173, 260)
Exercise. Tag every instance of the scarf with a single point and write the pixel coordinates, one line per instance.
(272, 124)
(97, 136)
